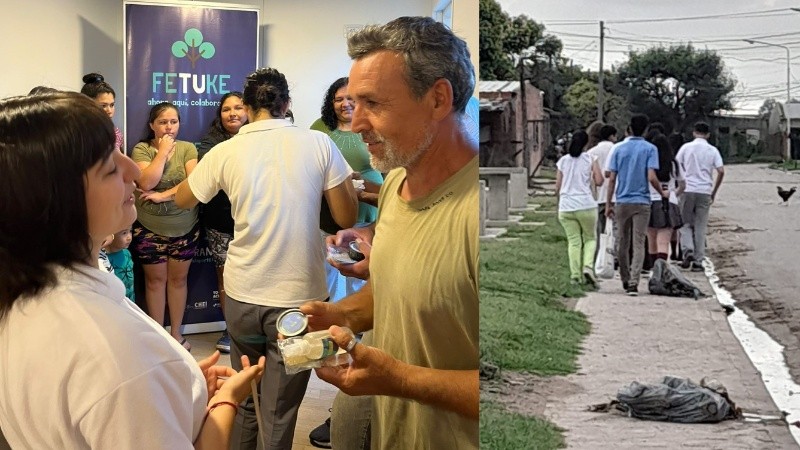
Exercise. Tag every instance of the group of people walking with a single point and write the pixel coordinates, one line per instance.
(655, 190)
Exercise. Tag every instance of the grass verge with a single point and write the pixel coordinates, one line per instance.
(525, 325)
(786, 165)
(514, 431)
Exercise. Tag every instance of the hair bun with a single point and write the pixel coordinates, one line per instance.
(93, 78)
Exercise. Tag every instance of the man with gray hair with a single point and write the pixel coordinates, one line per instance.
(411, 80)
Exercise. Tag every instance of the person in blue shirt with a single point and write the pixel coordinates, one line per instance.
(121, 261)
(632, 166)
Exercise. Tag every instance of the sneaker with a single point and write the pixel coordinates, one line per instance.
(687, 261)
(224, 343)
(588, 275)
(697, 267)
(321, 436)
(632, 290)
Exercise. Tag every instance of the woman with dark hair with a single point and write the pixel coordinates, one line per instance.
(165, 236)
(42, 90)
(577, 207)
(676, 141)
(663, 212)
(96, 88)
(275, 175)
(336, 116)
(67, 328)
(593, 130)
(216, 215)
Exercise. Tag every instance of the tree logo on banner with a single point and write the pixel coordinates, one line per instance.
(193, 47)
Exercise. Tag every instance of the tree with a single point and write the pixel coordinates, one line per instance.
(766, 108)
(677, 85)
(581, 102)
(494, 26)
(504, 40)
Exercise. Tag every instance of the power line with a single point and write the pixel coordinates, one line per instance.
(742, 15)
(702, 39)
(739, 15)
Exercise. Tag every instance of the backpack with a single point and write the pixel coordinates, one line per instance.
(676, 400)
(666, 279)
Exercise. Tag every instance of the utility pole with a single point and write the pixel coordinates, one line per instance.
(526, 153)
(600, 76)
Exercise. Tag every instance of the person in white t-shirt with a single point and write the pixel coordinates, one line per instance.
(608, 136)
(83, 367)
(577, 208)
(275, 175)
(698, 160)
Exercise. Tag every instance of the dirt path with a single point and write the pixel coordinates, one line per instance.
(754, 243)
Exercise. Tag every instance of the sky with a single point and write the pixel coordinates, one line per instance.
(759, 70)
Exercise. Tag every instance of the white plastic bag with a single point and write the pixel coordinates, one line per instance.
(604, 264)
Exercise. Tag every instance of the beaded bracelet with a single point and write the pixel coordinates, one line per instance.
(233, 405)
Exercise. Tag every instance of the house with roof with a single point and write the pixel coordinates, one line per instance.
(511, 129)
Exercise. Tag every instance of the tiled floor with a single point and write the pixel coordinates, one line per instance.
(313, 410)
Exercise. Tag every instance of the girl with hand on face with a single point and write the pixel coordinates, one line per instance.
(67, 358)
(216, 214)
(103, 94)
(165, 236)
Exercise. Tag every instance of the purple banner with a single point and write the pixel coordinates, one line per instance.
(188, 55)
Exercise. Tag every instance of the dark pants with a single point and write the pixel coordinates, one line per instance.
(253, 333)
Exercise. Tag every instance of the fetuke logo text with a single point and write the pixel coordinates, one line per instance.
(193, 48)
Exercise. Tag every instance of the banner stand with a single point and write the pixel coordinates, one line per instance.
(189, 54)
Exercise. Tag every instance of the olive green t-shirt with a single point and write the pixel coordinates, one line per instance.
(166, 218)
(424, 276)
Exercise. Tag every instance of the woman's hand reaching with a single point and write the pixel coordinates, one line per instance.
(224, 383)
(237, 386)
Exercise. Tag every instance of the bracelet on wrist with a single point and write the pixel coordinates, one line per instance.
(214, 405)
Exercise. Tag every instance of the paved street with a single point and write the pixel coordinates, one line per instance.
(754, 243)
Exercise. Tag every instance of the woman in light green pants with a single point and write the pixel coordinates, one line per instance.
(577, 208)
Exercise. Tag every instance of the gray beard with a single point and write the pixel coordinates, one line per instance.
(391, 159)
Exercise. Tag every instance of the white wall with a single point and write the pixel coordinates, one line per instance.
(306, 41)
(55, 42)
(465, 25)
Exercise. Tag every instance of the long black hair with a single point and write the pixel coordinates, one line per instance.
(666, 159)
(327, 111)
(53, 139)
(216, 130)
(578, 143)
